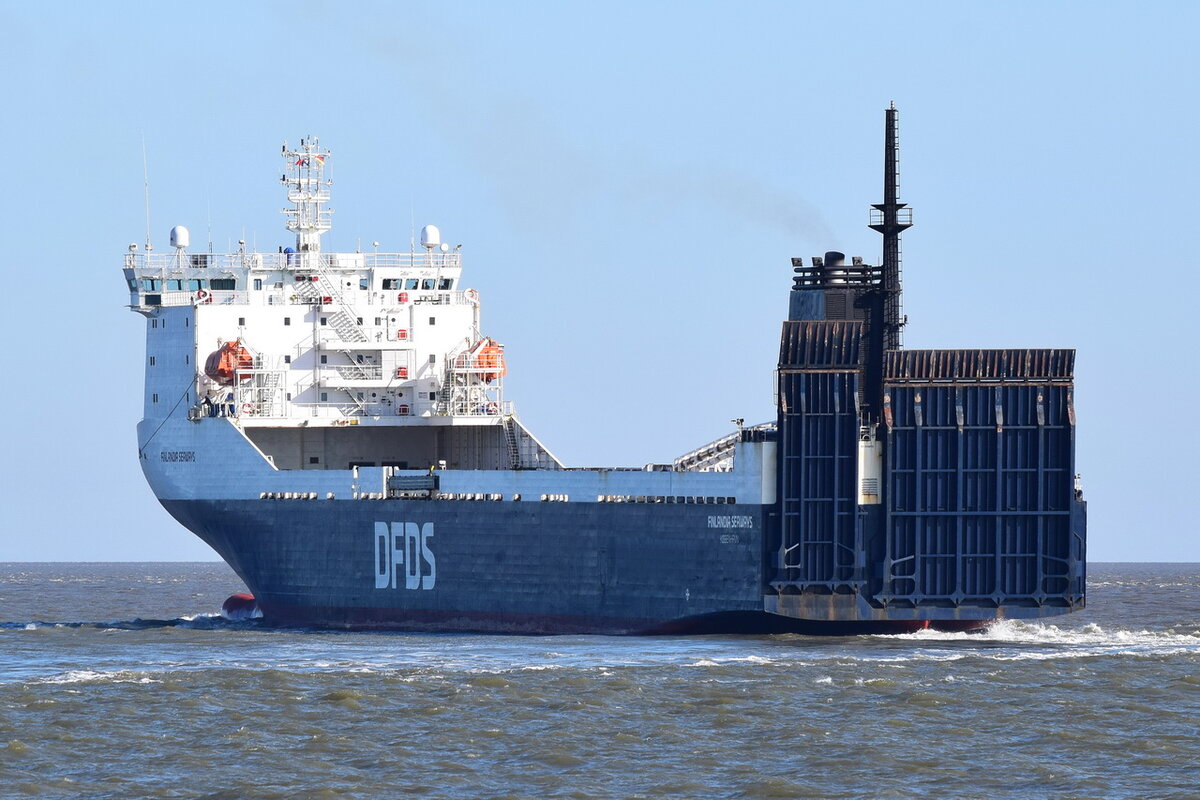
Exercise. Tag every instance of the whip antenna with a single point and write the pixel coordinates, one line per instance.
(146, 178)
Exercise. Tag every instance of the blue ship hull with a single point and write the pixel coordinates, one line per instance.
(513, 567)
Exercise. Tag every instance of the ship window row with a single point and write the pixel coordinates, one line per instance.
(411, 284)
(182, 285)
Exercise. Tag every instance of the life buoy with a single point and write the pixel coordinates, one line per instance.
(472, 296)
(247, 408)
(492, 408)
(203, 296)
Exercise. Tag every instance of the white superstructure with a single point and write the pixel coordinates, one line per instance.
(314, 342)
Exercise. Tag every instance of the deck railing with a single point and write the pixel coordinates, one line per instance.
(174, 262)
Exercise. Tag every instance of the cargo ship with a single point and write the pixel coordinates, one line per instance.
(335, 427)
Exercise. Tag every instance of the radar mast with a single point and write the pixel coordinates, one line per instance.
(308, 191)
(891, 218)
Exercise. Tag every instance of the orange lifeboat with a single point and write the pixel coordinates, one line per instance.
(224, 364)
(485, 357)
(491, 358)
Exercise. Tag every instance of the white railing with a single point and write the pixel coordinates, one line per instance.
(186, 298)
(355, 372)
(486, 408)
(290, 261)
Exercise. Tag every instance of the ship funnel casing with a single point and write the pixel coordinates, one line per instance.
(834, 261)
(431, 237)
(181, 238)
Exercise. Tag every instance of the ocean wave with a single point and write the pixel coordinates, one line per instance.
(192, 622)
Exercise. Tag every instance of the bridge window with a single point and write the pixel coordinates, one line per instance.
(446, 284)
(391, 283)
(412, 283)
(175, 285)
(196, 284)
(427, 283)
(224, 284)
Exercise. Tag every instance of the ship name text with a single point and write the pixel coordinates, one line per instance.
(731, 521)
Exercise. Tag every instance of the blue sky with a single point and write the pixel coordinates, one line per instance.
(629, 181)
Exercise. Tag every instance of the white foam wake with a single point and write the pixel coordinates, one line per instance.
(1052, 641)
(96, 676)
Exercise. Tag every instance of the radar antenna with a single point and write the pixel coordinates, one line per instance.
(891, 218)
(308, 191)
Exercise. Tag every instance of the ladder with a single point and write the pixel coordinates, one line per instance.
(510, 437)
(269, 394)
(343, 323)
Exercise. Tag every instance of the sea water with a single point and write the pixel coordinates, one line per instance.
(121, 681)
